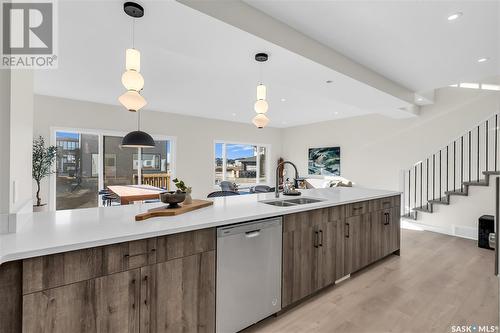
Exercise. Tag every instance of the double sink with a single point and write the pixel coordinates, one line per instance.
(291, 202)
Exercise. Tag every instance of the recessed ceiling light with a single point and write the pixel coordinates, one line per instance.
(482, 59)
(233, 114)
(283, 100)
(420, 99)
(329, 81)
(455, 16)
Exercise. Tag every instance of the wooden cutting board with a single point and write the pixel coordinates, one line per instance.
(164, 211)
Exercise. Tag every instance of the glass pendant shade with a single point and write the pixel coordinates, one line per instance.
(261, 91)
(260, 120)
(138, 139)
(133, 80)
(133, 60)
(132, 100)
(261, 106)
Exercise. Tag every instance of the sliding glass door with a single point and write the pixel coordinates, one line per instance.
(89, 161)
(77, 170)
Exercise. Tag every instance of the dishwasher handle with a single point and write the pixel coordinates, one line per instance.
(252, 234)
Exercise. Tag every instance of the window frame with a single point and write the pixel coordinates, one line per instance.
(224, 163)
(101, 133)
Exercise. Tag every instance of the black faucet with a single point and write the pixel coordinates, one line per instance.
(295, 181)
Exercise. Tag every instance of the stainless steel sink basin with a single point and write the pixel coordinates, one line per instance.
(291, 202)
(279, 203)
(302, 201)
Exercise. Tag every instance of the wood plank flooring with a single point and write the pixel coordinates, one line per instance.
(437, 282)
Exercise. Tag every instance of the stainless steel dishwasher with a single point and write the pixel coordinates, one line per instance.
(248, 274)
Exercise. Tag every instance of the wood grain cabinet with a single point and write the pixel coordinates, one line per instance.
(312, 252)
(105, 304)
(164, 284)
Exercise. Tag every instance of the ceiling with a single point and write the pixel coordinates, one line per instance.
(196, 65)
(409, 42)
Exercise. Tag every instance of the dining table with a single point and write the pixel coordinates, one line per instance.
(130, 193)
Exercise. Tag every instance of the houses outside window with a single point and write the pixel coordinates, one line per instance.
(241, 163)
(88, 161)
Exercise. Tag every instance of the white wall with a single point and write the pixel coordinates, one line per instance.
(21, 140)
(4, 140)
(194, 136)
(374, 149)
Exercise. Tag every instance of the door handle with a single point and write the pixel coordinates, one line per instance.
(387, 219)
(321, 238)
(316, 241)
(253, 233)
(347, 230)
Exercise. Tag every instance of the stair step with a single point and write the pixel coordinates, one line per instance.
(423, 209)
(441, 201)
(482, 182)
(411, 216)
(491, 173)
(456, 193)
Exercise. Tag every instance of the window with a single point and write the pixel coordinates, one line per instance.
(243, 164)
(92, 160)
(76, 184)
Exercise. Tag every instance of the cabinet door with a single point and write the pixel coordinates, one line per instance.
(391, 231)
(105, 304)
(300, 242)
(357, 243)
(331, 247)
(179, 295)
(377, 231)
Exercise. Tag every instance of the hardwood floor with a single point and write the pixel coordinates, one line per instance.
(437, 282)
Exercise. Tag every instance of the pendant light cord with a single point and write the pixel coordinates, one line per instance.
(133, 33)
(138, 120)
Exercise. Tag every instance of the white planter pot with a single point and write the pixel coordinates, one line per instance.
(42, 208)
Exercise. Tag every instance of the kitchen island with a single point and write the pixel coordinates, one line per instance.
(98, 270)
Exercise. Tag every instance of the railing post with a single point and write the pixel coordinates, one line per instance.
(409, 192)
(462, 163)
(447, 168)
(454, 166)
(470, 157)
(433, 176)
(427, 184)
(421, 184)
(415, 193)
(477, 154)
(486, 137)
(496, 140)
(440, 175)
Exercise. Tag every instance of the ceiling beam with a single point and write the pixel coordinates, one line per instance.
(247, 18)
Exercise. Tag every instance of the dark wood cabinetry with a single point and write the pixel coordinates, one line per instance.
(321, 246)
(313, 255)
(164, 284)
(105, 304)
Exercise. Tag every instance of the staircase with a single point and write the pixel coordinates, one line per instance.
(470, 160)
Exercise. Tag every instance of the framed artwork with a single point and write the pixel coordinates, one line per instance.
(324, 161)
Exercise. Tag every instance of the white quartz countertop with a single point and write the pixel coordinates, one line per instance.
(55, 232)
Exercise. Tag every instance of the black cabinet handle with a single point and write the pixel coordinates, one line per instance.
(138, 254)
(347, 230)
(321, 238)
(316, 241)
(387, 219)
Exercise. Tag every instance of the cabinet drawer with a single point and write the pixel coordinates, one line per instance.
(56, 270)
(185, 244)
(384, 203)
(129, 255)
(357, 208)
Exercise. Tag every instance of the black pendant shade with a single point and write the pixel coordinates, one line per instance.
(138, 139)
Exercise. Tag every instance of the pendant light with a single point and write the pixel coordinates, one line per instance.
(138, 139)
(133, 81)
(261, 106)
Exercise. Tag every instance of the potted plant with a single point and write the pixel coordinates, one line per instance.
(182, 187)
(43, 159)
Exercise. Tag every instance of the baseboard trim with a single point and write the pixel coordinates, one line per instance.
(451, 230)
